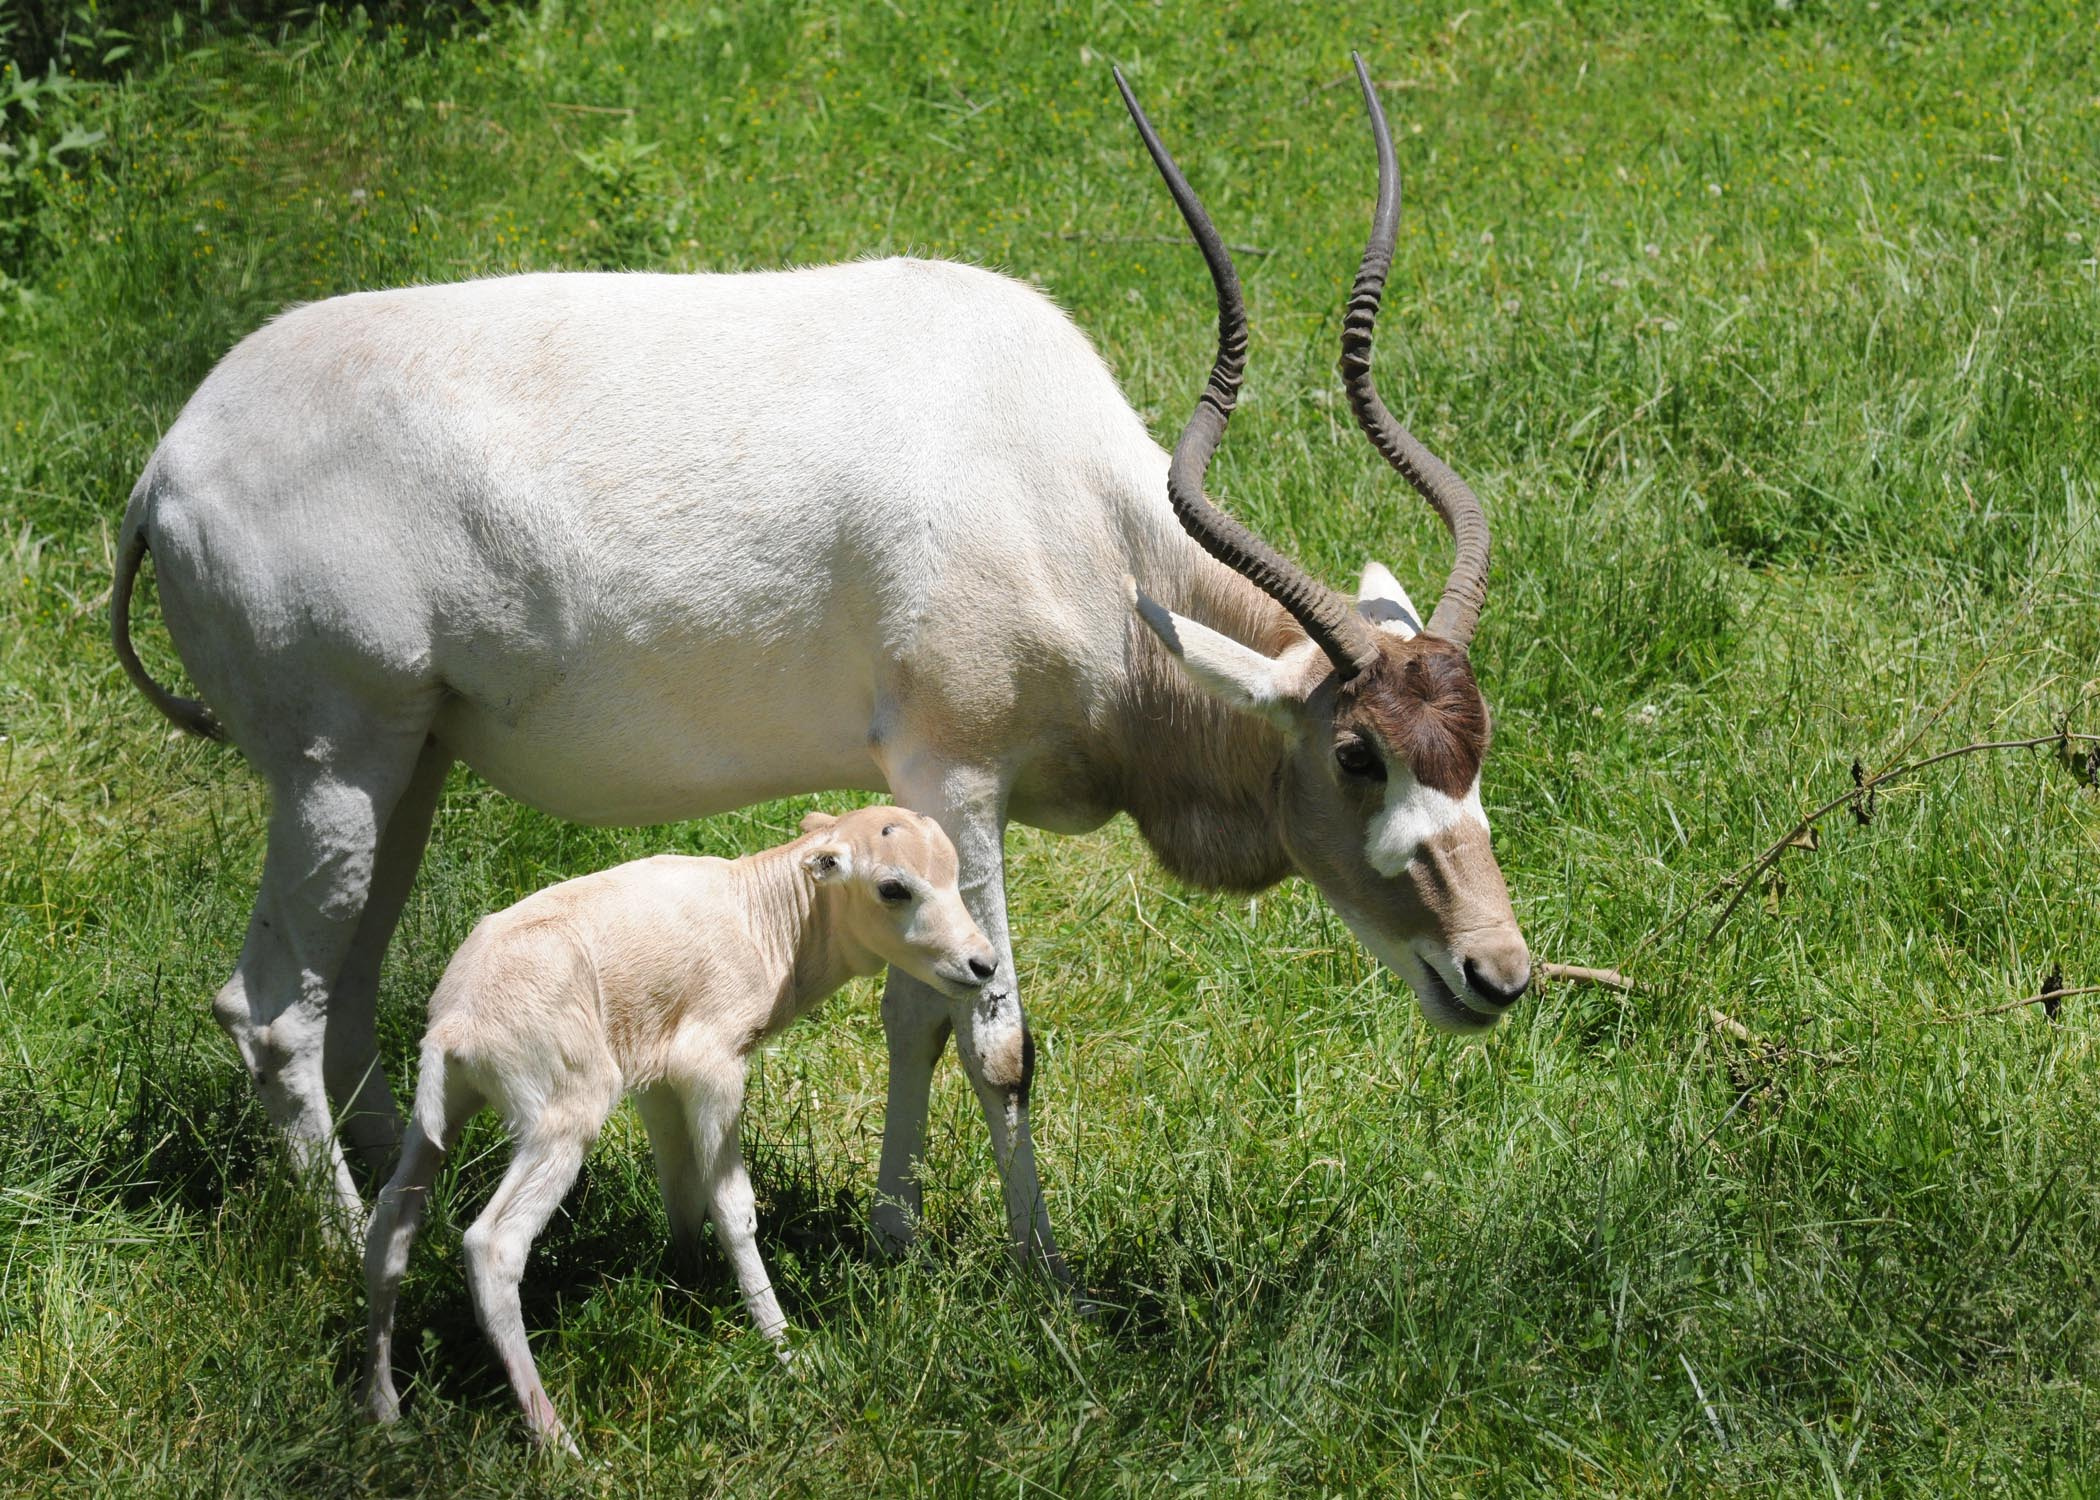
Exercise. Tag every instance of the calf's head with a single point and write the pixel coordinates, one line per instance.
(892, 875)
(1383, 725)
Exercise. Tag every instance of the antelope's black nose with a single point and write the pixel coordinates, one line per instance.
(1496, 989)
(984, 968)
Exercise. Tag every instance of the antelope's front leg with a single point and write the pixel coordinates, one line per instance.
(998, 1055)
(990, 1030)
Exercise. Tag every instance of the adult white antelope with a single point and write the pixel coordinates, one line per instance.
(644, 547)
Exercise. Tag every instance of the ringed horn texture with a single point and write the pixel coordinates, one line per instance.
(1329, 618)
(1458, 610)
(1349, 640)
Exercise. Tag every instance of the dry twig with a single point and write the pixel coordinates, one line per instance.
(1611, 979)
(1724, 1022)
(2042, 999)
(1860, 795)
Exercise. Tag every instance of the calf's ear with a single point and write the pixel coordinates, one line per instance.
(813, 820)
(828, 861)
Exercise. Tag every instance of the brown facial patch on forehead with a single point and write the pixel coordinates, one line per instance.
(1422, 703)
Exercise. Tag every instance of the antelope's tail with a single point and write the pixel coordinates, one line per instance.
(185, 713)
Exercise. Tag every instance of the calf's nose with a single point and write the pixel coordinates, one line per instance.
(984, 968)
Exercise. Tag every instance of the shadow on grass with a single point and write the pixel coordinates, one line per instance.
(610, 1239)
(160, 1115)
(1147, 1295)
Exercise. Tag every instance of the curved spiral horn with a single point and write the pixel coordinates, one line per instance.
(1349, 641)
(1458, 611)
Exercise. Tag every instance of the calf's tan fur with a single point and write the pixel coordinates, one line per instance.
(656, 978)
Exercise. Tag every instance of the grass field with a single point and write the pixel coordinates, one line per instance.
(1770, 335)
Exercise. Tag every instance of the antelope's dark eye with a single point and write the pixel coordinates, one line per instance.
(895, 892)
(1355, 756)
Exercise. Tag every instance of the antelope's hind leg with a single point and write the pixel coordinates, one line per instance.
(357, 1084)
(330, 799)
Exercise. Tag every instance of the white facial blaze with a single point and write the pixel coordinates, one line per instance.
(1413, 815)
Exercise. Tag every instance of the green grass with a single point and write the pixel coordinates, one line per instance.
(1768, 334)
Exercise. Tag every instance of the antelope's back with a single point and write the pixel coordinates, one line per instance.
(785, 504)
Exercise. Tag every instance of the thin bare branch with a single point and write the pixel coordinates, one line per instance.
(2030, 596)
(1999, 1010)
(1746, 877)
(1724, 1022)
(1611, 979)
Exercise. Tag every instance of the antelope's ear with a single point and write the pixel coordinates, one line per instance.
(813, 820)
(1232, 673)
(1381, 600)
(828, 862)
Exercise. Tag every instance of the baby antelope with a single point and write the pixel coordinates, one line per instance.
(656, 977)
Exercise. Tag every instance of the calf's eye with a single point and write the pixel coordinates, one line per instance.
(895, 892)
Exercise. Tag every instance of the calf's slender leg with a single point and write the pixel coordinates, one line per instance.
(714, 1102)
(915, 1025)
(497, 1245)
(444, 1104)
(663, 1112)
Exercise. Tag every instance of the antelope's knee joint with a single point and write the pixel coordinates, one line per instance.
(1007, 1060)
(341, 900)
(292, 1041)
(230, 1009)
(1019, 1091)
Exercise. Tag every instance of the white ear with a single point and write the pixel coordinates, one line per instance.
(813, 820)
(1381, 600)
(828, 862)
(1230, 672)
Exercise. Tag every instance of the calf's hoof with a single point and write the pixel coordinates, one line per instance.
(548, 1434)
